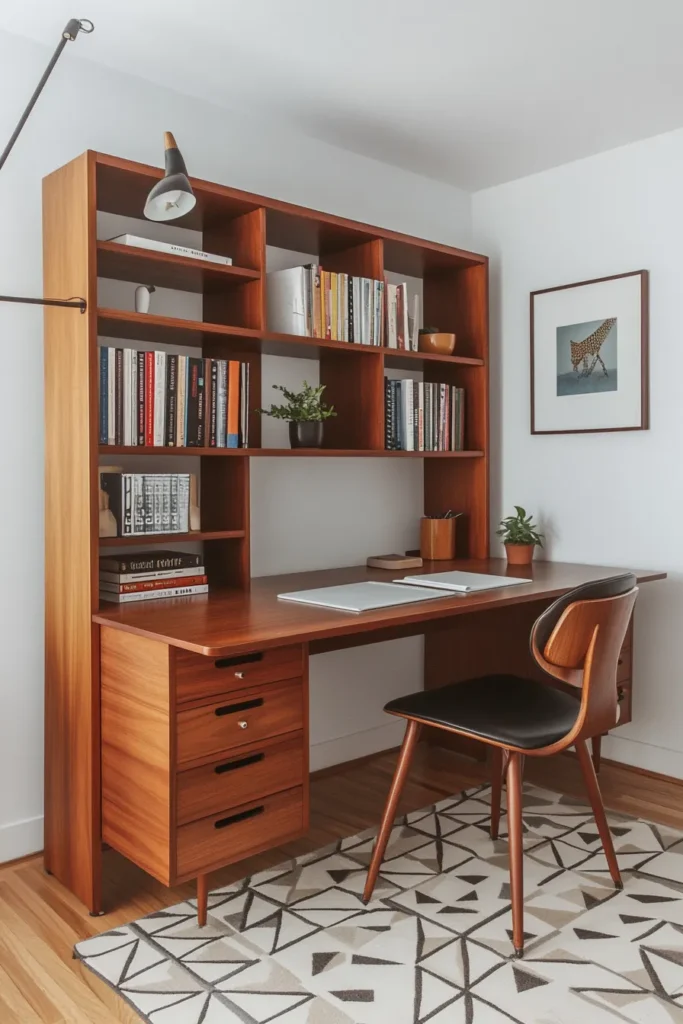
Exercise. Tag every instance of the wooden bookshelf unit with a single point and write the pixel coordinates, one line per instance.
(234, 325)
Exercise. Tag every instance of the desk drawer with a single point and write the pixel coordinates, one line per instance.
(253, 772)
(198, 677)
(237, 833)
(242, 718)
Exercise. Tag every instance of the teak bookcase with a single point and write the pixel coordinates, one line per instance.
(240, 225)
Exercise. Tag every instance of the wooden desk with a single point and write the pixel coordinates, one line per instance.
(205, 701)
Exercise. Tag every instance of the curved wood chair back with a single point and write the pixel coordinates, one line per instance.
(578, 640)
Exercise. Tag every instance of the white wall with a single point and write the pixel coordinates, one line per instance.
(606, 499)
(317, 514)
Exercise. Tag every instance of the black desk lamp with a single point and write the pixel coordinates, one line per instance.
(72, 29)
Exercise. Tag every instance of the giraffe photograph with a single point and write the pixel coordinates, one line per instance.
(587, 357)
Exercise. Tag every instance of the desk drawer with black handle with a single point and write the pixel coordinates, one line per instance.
(241, 718)
(197, 677)
(252, 772)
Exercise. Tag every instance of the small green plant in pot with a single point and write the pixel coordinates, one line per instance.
(305, 411)
(520, 536)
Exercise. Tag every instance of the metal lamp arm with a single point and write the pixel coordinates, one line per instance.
(69, 34)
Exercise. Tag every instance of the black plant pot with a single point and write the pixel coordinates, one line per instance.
(307, 434)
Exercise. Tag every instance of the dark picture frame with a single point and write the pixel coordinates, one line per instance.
(586, 368)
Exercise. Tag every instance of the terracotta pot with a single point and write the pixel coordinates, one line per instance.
(437, 539)
(441, 344)
(308, 434)
(520, 554)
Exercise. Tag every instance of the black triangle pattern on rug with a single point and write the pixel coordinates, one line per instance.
(295, 943)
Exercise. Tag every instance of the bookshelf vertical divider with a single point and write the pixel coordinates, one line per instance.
(234, 325)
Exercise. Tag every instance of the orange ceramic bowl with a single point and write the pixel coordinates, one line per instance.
(441, 344)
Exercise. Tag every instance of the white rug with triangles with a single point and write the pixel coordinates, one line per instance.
(295, 944)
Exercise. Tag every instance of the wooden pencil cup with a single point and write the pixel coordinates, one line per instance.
(437, 539)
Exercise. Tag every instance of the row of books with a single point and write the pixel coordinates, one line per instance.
(163, 400)
(423, 416)
(151, 575)
(323, 304)
(310, 301)
(148, 502)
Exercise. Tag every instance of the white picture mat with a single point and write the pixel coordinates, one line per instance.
(620, 298)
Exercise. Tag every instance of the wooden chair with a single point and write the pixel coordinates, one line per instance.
(576, 640)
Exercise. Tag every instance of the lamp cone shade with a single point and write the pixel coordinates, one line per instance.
(172, 197)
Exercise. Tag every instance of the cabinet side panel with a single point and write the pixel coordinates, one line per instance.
(137, 751)
(72, 815)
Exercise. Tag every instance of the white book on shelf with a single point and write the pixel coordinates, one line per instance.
(159, 398)
(127, 398)
(408, 414)
(414, 324)
(286, 301)
(111, 395)
(357, 310)
(152, 595)
(392, 341)
(170, 247)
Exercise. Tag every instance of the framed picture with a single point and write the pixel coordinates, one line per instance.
(589, 357)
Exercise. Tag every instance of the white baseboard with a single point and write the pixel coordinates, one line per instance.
(643, 755)
(21, 838)
(356, 744)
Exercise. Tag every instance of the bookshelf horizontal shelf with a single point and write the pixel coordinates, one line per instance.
(170, 538)
(121, 323)
(166, 270)
(346, 453)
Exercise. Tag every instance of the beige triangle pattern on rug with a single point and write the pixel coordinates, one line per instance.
(296, 945)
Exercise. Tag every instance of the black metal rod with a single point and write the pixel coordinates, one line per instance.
(71, 30)
(75, 303)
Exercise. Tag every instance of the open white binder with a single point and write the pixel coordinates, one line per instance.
(462, 582)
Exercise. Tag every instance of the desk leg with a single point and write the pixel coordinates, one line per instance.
(202, 899)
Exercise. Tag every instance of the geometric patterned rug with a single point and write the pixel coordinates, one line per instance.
(295, 945)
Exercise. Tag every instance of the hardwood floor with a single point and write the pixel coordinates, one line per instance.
(40, 921)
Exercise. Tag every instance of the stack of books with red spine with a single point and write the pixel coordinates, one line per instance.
(150, 575)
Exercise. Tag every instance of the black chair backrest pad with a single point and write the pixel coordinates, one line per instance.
(613, 586)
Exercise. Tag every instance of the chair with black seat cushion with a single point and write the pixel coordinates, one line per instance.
(577, 641)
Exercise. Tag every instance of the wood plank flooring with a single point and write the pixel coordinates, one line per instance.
(40, 983)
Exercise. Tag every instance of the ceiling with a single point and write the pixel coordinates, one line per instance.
(471, 92)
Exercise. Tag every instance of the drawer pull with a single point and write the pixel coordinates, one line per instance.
(242, 816)
(239, 675)
(231, 766)
(243, 724)
(244, 659)
(245, 705)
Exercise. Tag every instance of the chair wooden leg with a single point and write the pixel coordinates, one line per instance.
(404, 759)
(515, 832)
(202, 899)
(595, 796)
(499, 761)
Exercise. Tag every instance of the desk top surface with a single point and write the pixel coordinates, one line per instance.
(231, 621)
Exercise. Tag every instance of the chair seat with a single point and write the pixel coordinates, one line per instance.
(504, 709)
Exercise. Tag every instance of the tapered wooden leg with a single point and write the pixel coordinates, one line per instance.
(499, 760)
(596, 745)
(202, 899)
(515, 830)
(404, 758)
(595, 796)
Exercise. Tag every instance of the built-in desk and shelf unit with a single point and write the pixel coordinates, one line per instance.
(184, 762)
(177, 730)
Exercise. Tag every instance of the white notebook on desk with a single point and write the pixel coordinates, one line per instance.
(462, 582)
(362, 597)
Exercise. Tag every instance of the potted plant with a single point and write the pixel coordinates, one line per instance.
(520, 536)
(306, 413)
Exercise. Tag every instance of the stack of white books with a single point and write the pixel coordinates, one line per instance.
(176, 250)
